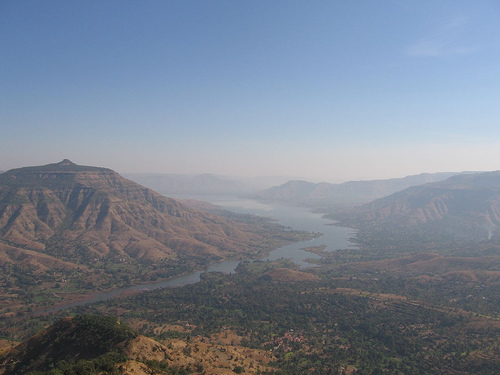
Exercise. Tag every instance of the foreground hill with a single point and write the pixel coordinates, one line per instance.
(93, 344)
(80, 344)
(461, 208)
(324, 195)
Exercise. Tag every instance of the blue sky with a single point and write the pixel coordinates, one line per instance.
(322, 90)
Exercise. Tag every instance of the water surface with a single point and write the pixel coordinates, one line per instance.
(297, 218)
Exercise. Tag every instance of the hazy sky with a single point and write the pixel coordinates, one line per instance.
(324, 90)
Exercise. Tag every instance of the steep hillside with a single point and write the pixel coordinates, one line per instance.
(464, 207)
(66, 228)
(325, 195)
(85, 213)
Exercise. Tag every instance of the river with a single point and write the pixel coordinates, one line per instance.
(299, 218)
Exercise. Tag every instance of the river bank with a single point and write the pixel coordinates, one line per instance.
(295, 218)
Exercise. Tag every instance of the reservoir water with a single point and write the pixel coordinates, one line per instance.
(299, 218)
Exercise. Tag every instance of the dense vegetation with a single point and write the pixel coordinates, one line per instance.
(81, 346)
(28, 288)
(381, 309)
(314, 327)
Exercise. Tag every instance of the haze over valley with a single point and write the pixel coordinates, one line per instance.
(253, 187)
(70, 230)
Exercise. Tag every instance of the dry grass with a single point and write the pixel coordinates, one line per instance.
(218, 355)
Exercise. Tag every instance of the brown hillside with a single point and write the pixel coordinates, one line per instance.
(462, 208)
(66, 211)
(99, 338)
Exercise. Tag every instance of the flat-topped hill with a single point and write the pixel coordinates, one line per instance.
(65, 226)
(112, 216)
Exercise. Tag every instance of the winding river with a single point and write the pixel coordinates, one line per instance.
(334, 238)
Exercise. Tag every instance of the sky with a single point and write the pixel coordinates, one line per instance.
(319, 90)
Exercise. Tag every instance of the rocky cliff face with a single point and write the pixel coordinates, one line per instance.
(70, 212)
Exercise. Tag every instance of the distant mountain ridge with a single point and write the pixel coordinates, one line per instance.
(322, 195)
(189, 184)
(465, 206)
(203, 184)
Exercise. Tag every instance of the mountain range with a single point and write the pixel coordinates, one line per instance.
(462, 207)
(325, 195)
(67, 230)
(203, 184)
(53, 209)
(189, 184)
(64, 220)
